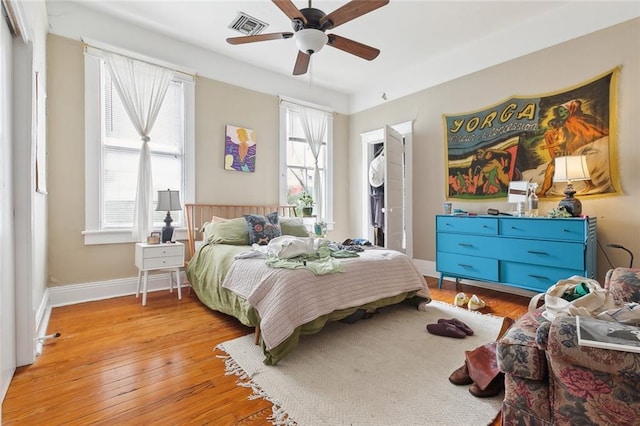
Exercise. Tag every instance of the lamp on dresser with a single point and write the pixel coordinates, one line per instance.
(569, 169)
(168, 201)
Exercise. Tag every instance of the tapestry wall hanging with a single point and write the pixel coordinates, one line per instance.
(518, 140)
(240, 149)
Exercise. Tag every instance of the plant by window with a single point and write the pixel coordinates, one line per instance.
(306, 200)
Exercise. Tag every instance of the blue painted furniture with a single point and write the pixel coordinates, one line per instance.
(528, 253)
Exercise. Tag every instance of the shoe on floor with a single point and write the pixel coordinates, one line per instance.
(475, 303)
(461, 376)
(461, 299)
(446, 329)
(494, 388)
(462, 326)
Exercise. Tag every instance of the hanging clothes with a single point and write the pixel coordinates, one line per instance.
(376, 170)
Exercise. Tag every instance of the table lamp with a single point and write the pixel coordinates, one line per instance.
(568, 169)
(168, 201)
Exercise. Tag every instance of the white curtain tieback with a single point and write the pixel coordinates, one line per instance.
(145, 139)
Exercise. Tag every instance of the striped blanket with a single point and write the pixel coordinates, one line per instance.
(286, 299)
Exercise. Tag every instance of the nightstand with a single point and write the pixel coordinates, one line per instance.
(154, 257)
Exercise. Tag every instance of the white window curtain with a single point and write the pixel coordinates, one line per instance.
(314, 125)
(142, 88)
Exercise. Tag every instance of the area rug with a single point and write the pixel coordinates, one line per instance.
(386, 370)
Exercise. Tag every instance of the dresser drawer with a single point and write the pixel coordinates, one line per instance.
(471, 245)
(162, 262)
(162, 251)
(467, 266)
(534, 277)
(546, 253)
(467, 225)
(544, 229)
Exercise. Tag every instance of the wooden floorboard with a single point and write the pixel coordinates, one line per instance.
(117, 362)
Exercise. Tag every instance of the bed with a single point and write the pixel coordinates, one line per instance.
(286, 298)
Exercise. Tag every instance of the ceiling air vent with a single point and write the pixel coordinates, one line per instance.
(247, 25)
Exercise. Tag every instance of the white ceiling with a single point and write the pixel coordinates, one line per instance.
(422, 42)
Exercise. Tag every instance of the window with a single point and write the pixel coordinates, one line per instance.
(113, 152)
(298, 159)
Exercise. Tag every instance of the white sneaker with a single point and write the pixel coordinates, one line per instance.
(475, 303)
(461, 299)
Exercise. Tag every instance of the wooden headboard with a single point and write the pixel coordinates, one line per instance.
(198, 214)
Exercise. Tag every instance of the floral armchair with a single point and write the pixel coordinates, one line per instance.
(550, 379)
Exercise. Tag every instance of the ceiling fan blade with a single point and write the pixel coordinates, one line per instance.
(259, 37)
(350, 11)
(290, 10)
(302, 63)
(362, 50)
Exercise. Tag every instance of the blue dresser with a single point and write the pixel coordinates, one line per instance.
(528, 253)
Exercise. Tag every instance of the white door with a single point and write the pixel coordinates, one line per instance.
(394, 205)
(7, 270)
(398, 203)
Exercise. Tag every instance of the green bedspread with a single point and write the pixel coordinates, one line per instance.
(206, 273)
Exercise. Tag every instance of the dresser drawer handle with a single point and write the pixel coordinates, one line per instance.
(463, 265)
(537, 252)
(465, 245)
(485, 226)
(514, 227)
(541, 277)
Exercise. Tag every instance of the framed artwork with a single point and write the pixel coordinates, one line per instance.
(518, 140)
(240, 149)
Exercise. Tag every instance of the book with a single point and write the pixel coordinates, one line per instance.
(608, 334)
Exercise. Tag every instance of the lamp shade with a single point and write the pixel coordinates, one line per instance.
(571, 168)
(168, 201)
(310, 40)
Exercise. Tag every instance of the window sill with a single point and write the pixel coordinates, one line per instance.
(122, 236)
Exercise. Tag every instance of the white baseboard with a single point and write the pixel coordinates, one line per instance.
(87, 292)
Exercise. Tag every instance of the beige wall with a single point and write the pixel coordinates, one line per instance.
(217, 104)
(549, 70)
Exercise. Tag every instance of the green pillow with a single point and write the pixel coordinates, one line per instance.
(231, 231)
(293, 226)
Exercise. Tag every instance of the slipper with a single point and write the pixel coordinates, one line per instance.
(461, 299)
(462, 326)
(475, 303)
(446, 329)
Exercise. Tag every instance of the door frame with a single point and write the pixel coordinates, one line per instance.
(368, 139)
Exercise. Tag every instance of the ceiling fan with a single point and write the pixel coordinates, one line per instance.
(309, 26)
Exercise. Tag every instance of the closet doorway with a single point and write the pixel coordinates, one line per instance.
(387, 187)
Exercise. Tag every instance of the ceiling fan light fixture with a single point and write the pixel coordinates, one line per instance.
(310, 40)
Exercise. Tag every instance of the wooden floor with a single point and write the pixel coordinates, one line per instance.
(119, 363)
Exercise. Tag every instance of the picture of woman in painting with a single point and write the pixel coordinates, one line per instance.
(570, 130)
(582, 128)
(240, 149)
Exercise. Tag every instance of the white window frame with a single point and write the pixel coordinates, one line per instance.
(93, 233)
(290, 103)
